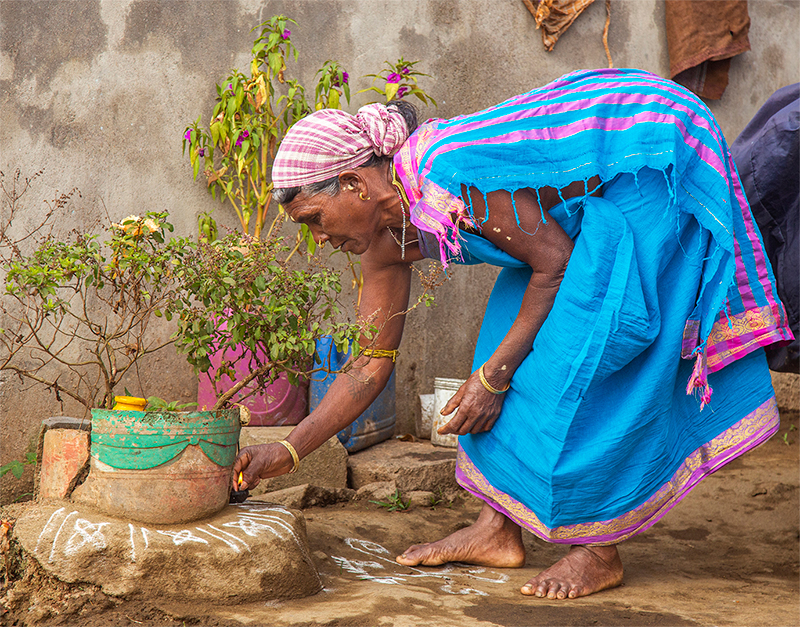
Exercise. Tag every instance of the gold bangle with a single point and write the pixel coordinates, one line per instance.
(488, 385)
(380, 352)
(293, 453)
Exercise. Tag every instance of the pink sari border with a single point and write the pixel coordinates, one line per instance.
(735, 336)
(748, 433)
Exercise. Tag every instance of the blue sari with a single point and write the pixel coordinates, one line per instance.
(667, 285)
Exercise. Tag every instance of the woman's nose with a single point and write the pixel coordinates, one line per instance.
(320, 237)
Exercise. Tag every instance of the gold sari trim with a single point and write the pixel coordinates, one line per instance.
(718, 451)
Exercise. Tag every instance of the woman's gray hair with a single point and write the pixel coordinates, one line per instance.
(331, 186)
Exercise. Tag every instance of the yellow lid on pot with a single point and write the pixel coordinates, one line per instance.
(130, 403)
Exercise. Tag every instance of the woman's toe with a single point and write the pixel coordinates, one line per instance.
(410, 557)
(527, 589)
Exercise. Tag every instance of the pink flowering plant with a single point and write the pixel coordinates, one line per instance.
(243, 299)
(252, 114)
(333, 82)
(398, 80)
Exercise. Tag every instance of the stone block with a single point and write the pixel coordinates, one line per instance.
(326, 467)
(246, 553)
(378, 491)
(420, 498)
(410, 465)
(64, 454)
(305, 496)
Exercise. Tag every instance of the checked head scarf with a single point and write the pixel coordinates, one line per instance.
(330, 141)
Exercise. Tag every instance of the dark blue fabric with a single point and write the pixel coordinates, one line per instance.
(767, 155)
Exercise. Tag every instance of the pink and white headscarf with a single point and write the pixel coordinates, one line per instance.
(330, 141)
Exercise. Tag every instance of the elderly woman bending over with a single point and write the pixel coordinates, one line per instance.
(618, 361)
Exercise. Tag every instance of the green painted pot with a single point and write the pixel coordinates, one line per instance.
(138, 440)
(160, 467)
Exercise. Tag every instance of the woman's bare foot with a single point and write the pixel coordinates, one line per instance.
(492, 540)
(584, 570)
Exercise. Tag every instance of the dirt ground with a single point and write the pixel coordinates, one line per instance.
(727, 555)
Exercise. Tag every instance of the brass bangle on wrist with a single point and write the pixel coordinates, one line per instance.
(380, 352)
(488, 385)
(293, 453)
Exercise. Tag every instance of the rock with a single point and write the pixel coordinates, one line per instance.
(419, 498)
(410, 465)
(305, 496)
(245, 553)
(378, 491)
(64, 454)
(59, 422)
(325, 467)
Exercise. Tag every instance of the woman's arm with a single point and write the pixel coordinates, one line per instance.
(546, 248)
(384, 297)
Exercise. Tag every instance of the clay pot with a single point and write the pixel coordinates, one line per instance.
(160, 467)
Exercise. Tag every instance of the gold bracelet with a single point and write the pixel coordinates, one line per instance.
(293, 453)
(380, 352)
(488, 385)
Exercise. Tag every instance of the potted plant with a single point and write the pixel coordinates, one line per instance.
(77, 314)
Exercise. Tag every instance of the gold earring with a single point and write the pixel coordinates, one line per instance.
(350, 187)
(362, 197)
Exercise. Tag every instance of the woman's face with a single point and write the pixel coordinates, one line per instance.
(344, 220)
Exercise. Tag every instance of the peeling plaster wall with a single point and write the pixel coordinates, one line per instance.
(97, 92)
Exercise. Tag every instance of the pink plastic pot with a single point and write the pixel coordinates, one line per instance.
(281, 403)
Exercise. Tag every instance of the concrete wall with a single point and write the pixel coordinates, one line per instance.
(97, 92)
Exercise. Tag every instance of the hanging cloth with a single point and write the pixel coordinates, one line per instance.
(701, 39)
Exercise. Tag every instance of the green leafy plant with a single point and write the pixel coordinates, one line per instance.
(273, 311)
(786, 435)
(394, 503)
(17, 467)
(250, 118)
(332, 83)
(437, 498)
(78, 309)
(154, 403)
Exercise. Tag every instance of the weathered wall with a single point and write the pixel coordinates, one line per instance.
(98, 92)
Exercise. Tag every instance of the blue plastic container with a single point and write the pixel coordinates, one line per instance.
(376, 424)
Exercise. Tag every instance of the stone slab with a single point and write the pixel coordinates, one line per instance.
(378, 491)
(246, 553)
(305, 496)
(412, 466)
(65, 452)
(326, 467)
(67, 422)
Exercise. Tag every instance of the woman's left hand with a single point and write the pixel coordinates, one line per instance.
(478, 409)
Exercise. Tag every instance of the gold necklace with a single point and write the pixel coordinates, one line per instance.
(401, 196)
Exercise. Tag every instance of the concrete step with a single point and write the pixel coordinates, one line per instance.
(326, 467)
(412, 466)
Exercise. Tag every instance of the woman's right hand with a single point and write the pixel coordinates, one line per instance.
(260, 462)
